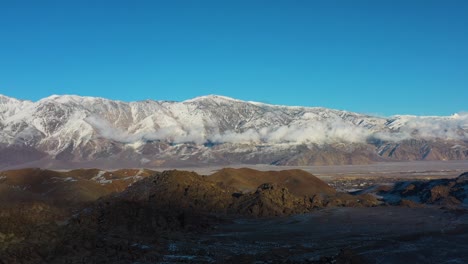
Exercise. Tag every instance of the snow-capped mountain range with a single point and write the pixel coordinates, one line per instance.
(75, 131)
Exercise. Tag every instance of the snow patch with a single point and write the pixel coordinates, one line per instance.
(144, 160)
(100, 178)
(67, 179)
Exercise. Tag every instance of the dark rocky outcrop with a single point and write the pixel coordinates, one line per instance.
(450, 193)
(270, 200)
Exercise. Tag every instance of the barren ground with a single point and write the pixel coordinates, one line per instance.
(382, 234)
(385, 234)
(375, 235)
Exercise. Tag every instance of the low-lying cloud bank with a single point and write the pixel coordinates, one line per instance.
(333, 130)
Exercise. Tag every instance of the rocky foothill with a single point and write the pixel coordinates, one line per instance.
(448, 193)
(135, 215)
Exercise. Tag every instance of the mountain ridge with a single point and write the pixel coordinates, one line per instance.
(214, 129)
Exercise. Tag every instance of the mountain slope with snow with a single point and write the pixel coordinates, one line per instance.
(74, 131)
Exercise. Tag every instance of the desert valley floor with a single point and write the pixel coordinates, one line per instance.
(405, 212)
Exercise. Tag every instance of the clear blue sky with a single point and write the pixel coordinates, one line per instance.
(378, 57)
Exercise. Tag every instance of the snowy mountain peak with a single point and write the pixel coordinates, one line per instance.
(65, 99)
(10, 107)
(212, 97)
(5, 99)
(214, 128)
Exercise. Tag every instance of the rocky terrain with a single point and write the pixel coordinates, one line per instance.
(449, 193)
(298, 182)
(65, 188)
(75, 132)
(232, 216)
(133, 215)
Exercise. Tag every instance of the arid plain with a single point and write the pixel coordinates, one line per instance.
(378, 213)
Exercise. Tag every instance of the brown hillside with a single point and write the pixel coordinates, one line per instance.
(179, 189)
(63, 187)
(270, 200)
(139, 222)
(298, 182)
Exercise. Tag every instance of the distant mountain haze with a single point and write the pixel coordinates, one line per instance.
(72, 131)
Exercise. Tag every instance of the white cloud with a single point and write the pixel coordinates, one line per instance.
(317, 132)
(321, 132)
(107, 130)
(173, 134)
(453, 127)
